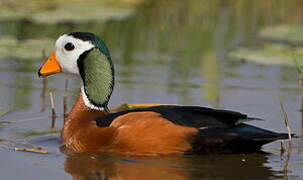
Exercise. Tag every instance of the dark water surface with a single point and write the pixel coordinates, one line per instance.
(171, 52)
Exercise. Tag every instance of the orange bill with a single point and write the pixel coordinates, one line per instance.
(51, 66)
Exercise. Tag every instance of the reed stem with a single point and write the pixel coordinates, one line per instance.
(282, 148)
(65, 108)
(31, 150)
(286, 123)
(300, 72)
(44, 88)
(287, 161)
(53, 109)
(4, 112)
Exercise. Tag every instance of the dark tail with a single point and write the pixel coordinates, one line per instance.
(239, 139)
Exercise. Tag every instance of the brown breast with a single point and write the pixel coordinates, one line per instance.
(138, 133)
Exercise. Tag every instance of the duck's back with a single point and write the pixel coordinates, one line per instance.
(216, 131)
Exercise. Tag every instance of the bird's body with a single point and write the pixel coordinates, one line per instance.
(141, 133)
(152, 130)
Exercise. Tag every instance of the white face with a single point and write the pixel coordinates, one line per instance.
(68, 58)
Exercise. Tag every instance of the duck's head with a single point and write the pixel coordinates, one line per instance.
(86, 55)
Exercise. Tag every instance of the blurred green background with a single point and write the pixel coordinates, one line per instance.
(231, 54)
(183, 34)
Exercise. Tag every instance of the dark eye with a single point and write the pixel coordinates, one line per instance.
(69, 46)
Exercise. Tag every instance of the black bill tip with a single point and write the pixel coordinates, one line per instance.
(39, 74)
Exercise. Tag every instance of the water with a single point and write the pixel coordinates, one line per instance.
(172, 52)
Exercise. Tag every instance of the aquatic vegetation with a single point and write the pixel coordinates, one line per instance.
(29, 49)
(280, 43)
(269, 54)
(284, 33)
(286, 122)
(298, 67)
(66, 11)
(35, 150)
(3, 112)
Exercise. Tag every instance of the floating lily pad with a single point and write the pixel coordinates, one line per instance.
(63, 11)
(270, 54)
(279, 51)
(82, 12)
(285, 33)
(30, 49)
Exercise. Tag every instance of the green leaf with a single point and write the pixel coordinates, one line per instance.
(299, 69)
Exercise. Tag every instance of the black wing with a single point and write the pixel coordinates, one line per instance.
(218, 130)
(190, 116)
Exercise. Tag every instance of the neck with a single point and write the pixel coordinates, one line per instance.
(81, 113)
(97, 74)
(80, 132)
(88, 103)
(79, 116)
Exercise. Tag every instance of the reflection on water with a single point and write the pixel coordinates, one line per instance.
(168, 52)
(107, 166)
